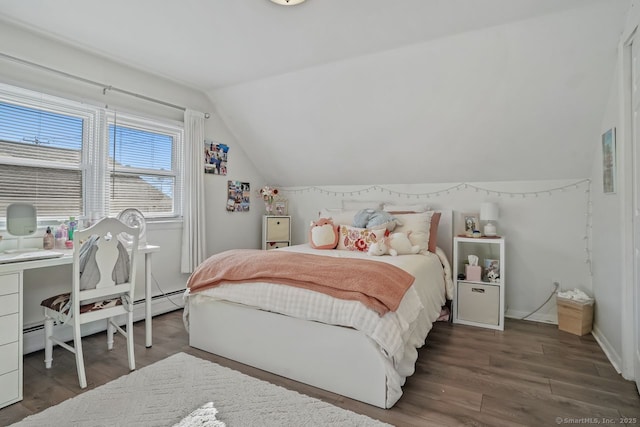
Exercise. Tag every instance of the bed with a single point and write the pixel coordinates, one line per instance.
(340, 345)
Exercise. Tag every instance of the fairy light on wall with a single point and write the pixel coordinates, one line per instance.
(437, 193)
(588, 229)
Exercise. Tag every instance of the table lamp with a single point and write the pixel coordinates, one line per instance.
(489, 212)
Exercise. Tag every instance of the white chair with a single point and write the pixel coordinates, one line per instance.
(115, 273)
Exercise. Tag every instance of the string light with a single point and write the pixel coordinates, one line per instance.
(448, 190)
(588, 228)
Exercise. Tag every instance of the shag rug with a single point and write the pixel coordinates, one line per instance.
(188, 391)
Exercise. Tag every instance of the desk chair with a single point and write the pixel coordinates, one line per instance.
(114, 271)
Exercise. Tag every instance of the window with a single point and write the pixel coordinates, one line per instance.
(142, 166)
(71, 159)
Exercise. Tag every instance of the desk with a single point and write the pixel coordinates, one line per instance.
(11, 300)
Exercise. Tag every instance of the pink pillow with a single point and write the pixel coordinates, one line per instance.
(323, 234)
(433, 231)
(358, 239)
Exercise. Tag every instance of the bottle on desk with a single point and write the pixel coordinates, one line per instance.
(72, 226)
(61, 236)
(48, 241)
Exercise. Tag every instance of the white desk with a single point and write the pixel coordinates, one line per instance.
(11, 300)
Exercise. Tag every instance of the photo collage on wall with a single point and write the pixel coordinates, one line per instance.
(215, 158)
(239, 195)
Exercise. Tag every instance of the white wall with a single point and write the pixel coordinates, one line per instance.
(224, 230)
(545, 229)
(612, 217)
(508, 102)
(231, 230)
(607, 243)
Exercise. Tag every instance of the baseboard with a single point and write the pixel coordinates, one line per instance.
(608, 349)
(536, 317)
(33, 337)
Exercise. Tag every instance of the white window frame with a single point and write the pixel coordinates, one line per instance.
(95, 146)
(166, 127)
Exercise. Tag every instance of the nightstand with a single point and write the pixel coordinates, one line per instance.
(479, 302)
(276, 231)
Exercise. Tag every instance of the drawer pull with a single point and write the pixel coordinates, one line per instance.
(478, 290)
(278, 222)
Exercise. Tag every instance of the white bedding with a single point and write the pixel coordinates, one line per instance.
(398, 333)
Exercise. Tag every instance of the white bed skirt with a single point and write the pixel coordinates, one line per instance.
(337, 359)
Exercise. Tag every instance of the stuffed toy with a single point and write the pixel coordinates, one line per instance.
(394, 244)
(379, 247)
(493, 276)
(323, 234)
(372, 218)
(399, 244)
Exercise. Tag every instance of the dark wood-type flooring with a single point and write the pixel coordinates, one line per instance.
(530, 374)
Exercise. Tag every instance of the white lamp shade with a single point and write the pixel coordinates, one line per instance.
(488, 211)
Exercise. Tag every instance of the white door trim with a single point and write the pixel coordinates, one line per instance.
(625, 142)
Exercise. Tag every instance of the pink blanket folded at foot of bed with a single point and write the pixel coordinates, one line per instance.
(378, 285)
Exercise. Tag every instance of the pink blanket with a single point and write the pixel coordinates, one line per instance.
(378, 285)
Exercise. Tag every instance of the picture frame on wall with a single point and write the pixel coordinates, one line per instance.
(238, 196)
(215, 157)
(609, 161)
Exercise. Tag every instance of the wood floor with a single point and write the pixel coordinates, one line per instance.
(530, 374)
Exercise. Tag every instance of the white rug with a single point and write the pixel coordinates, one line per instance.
(178, 388)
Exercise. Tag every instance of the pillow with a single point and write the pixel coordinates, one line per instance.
(433, 231)
(357, 205)
(417, 226)
(358, 239)
(323, 234)
(408, 208)
(339, 216)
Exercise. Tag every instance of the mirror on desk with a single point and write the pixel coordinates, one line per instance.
(22, 220)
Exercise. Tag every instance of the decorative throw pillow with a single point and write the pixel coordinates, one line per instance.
(433, 231)
(358, 239)
(417, 226)
(323, 234)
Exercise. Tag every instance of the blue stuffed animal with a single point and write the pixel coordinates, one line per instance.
(372, 218)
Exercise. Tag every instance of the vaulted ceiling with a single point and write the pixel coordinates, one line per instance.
(372, 91)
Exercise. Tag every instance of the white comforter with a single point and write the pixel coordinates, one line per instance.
(398, 333)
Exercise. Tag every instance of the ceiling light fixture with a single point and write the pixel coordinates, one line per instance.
(287, 2)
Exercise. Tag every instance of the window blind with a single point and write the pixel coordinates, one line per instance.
(42, 155)
(141, 167)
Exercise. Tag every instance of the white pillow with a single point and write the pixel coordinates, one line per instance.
(339, 216)
(416, 207)
(361, 204)
(417, 226)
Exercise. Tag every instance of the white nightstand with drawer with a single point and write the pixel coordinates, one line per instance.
(276, 231)
(479, 302)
